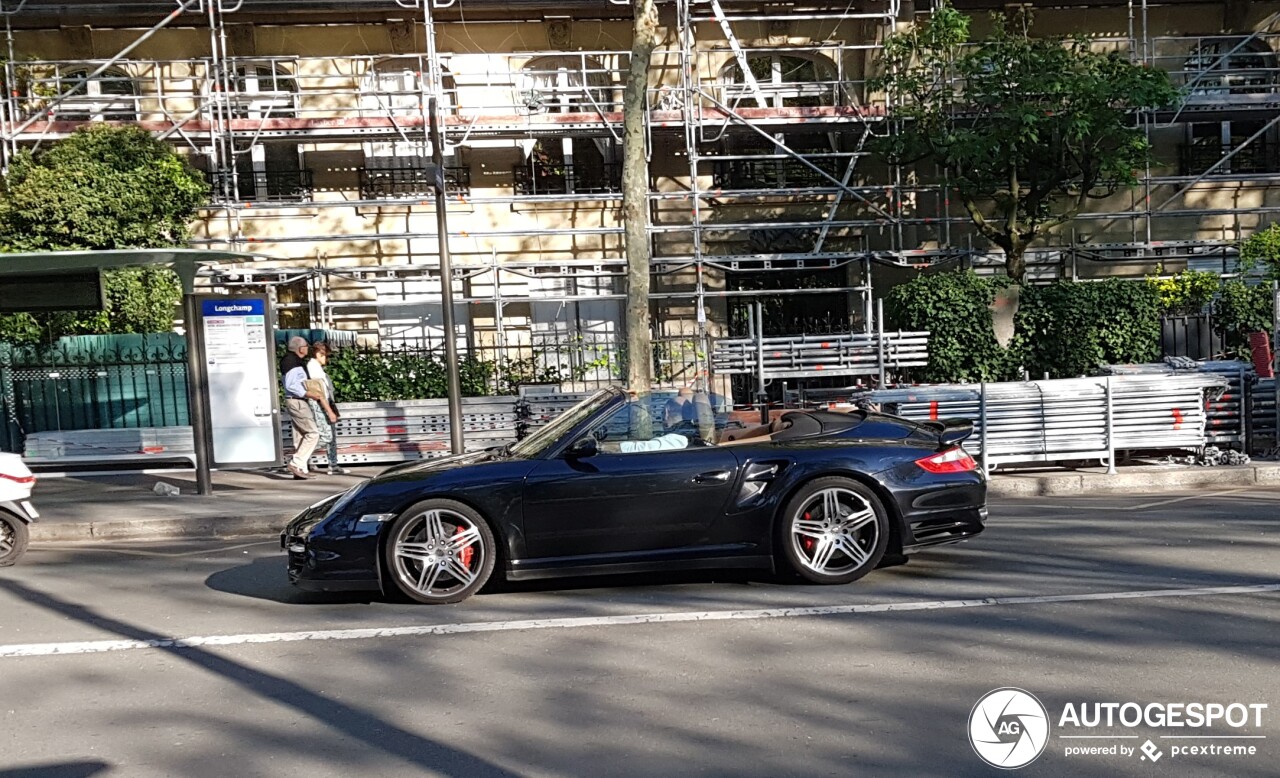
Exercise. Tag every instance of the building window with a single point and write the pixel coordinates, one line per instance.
(768, 167)
(786, 80)
(267, 171)
(1221, 68)
(396, 88)
(566, 84)
(1209, 142)
(109, 96)
(570, 166)
(562, 164)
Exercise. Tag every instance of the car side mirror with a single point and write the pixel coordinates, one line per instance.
(586, 447)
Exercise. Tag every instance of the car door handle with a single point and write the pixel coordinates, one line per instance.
(715, 476)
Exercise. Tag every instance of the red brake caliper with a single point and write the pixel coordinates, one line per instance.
(807, 541)
(467, 552)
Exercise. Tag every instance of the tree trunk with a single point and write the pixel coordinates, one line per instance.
(635, 198)
(1015, 261)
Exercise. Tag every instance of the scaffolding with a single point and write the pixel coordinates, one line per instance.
(758, 120)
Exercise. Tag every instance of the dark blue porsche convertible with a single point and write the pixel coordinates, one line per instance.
(625, 483)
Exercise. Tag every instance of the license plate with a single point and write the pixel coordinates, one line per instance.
(30, 509)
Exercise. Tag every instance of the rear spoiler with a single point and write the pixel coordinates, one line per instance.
(951, 431)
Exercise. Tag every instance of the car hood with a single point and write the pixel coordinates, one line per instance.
(437, 465)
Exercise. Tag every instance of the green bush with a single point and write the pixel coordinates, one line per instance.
(955, 308)
(1261, 251)
(1187, 292)
(1239, 310)
(1063, 329)
(101, 188)
(1072, 328)
(361, 375)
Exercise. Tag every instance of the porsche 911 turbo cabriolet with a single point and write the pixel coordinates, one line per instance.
(626, 483)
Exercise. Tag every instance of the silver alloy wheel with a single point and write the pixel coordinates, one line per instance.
(6, 538)
(834, 532)
(439, 553)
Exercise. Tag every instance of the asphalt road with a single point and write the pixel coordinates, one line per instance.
(1083, 600)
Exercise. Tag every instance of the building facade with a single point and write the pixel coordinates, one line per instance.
(311, 120)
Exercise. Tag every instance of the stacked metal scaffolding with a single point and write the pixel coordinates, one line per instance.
(1067, 420)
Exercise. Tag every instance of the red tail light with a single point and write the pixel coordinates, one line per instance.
(953, 460)
(21, 479)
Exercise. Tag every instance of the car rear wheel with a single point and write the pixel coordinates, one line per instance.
(13, 538)
(440, 551)
(834, 531)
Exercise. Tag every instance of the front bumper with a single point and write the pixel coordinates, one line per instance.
(23, 509)
(320, 560)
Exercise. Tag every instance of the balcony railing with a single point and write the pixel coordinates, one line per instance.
(272, 186)
(385, 183)
(550, 178)
(775, 173)
(1255, 159)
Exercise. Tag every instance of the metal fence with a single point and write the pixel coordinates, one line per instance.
(578, 361)
(100, 382)
(1192, 335)
(92, 382)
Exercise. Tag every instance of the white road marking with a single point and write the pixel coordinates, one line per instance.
(101, 646)
(1159, 503)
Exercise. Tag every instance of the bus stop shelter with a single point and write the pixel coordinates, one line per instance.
(65, 280)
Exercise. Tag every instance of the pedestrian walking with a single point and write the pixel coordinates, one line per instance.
(326, 420)
(306, 434)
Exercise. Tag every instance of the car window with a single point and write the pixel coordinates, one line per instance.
(658, 421)
(546, 437)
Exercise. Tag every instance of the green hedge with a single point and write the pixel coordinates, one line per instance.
(1063, 329)
(1240, 310)
(1071, 328)
(955, 308)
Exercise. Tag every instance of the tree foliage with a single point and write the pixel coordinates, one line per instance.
(1261, 252)
(1240, 310)
(1027, 129)
(102, 188)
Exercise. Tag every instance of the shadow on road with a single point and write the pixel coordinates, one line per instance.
(265, 579)
(422, 752)
(64, 770)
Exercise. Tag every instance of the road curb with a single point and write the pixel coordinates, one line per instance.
(1136, 480)
(159, 529)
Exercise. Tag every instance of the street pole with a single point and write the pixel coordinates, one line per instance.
(446, 284)
(197, 380)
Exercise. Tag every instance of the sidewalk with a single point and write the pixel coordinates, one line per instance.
(125, 507)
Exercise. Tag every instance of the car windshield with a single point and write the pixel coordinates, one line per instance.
(546, 437)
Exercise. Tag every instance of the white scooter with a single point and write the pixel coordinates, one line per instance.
(16, 511)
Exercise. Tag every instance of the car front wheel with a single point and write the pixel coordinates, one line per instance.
(440, 551)
(834, 531)
(13, 538)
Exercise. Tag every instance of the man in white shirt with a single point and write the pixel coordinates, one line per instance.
(306, 434)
